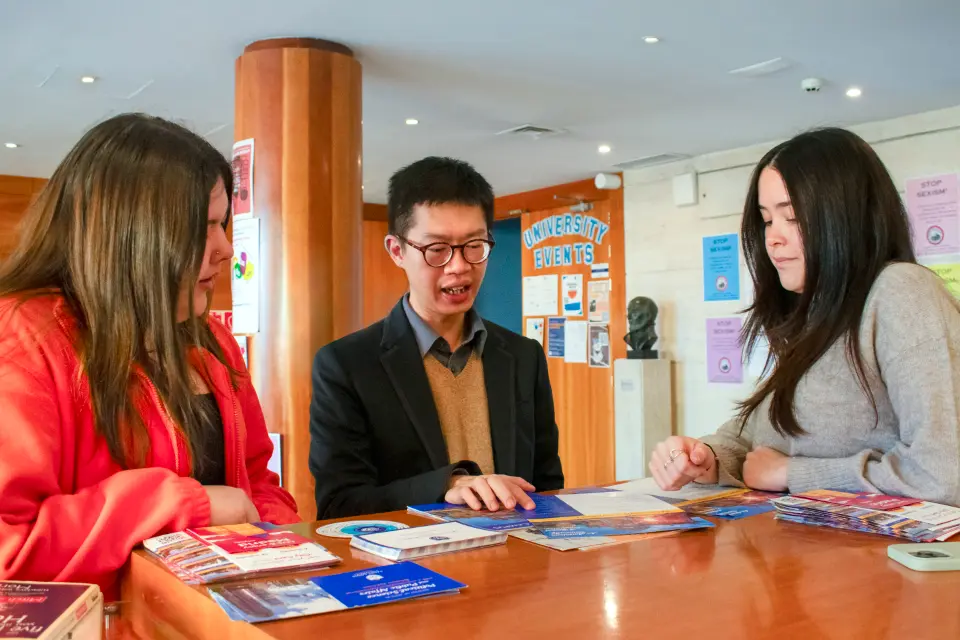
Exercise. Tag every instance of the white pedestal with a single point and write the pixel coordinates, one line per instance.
(643, 413)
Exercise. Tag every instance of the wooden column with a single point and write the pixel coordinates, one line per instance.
(300, 100)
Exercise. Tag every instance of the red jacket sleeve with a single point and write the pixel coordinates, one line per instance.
(47, 534)
(274, 503)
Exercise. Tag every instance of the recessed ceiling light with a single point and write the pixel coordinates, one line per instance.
(854, 92)
(412, 121)
(88, 79)
(11, 145)
(604, 148)
(651, 39)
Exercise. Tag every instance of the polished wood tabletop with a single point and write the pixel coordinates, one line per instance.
(750, 578)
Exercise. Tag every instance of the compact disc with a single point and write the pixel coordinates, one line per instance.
(358, 528)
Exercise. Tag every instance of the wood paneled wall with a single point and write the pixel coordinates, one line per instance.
(16, 194)
(583, 395)
(383, 281)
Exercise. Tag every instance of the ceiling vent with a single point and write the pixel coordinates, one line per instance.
(651, 161)
(530, 131)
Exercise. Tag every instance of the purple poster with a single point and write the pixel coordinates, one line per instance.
(934, 210)
(724, 362)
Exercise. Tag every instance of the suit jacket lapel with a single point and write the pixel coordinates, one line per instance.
(498, 374)
(404, 366)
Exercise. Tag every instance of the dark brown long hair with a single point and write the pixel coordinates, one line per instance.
(853, 224)
(118, 230)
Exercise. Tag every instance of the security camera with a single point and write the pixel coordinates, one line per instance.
(607, 181)
(812, 85)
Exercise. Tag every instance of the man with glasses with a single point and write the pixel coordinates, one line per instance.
(433, 403)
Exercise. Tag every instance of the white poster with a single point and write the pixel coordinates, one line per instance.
(242, 341)
(576, 342)
(599, 345)
(540, 296)
(245, 275)
(598, 300)
(275, 463)
(535, 329)
(572, 291)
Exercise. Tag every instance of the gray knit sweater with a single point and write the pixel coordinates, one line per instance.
(910, 341)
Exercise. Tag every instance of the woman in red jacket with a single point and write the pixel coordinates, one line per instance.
(125, 412)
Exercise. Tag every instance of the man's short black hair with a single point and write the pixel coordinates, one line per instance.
(435, 181)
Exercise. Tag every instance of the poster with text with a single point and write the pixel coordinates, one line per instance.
(540, 296)
(721, 268)
(243, 179)
(950, 274)
(724, 356)
(242, 342)
(556, 337)
(224, 317)
(245, 275)
(934, 208)
(571, 287)
(535, 329)
(576, 342)
(598, 300)
(599, 339)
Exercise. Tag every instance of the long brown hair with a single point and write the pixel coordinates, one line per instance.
(853, 224)
(118, 230)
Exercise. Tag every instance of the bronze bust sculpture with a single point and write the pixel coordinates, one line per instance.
(642, 316)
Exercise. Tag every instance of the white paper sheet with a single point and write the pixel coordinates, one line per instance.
(541, 296)
(615, 502)
(576, 342)
(535, 329)
(245, 275)
(649, 486)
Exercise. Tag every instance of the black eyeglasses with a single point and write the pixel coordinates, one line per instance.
(438, 254)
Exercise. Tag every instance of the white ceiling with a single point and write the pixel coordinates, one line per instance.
(467, 70)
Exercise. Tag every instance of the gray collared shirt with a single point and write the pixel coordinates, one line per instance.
(474, 337)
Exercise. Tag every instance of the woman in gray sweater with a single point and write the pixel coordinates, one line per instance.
(863, 391)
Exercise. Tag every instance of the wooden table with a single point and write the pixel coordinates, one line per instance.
(751, 578)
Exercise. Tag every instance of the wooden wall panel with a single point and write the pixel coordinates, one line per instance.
(16, 194)
(300, 99)
(583, 395)
(383, 281)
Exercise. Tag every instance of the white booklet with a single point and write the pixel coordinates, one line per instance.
(433, 539)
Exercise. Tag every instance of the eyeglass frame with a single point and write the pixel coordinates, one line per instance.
(453, 249)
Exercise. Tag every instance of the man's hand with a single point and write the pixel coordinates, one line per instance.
(766, 469)
(490, 492)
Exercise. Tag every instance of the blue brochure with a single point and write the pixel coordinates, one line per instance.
(290, 598)
(620, 526)
(503, 520)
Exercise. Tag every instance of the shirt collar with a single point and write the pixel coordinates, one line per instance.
(473, 328)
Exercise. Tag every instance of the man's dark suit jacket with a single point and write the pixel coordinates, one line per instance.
(375, 438)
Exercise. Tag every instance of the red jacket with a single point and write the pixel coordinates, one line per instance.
(68, 512)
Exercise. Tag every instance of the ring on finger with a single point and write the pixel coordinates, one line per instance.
(674, 454)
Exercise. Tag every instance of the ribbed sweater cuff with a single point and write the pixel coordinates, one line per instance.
(842, 474)
(729, 466)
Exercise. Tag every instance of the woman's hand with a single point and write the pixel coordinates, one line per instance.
(679, 460)
(229, 505)
(766, 469)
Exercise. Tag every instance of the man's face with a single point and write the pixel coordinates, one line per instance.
(437, 292)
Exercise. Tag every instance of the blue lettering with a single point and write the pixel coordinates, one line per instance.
(588, 254)
(578, 223)
(538, 259)
(557, 255)
(567, 255)
(568, 224)
(591, 225)
(537, 233)
(528, 238)
(602, 232)
(578, 252)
